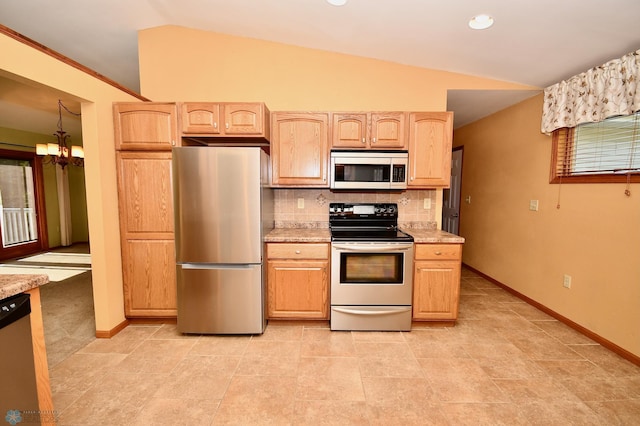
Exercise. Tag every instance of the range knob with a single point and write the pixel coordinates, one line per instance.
(392, 209)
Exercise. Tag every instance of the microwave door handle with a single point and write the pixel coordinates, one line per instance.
(368, 248)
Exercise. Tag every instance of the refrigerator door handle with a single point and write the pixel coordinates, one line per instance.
(217, 265)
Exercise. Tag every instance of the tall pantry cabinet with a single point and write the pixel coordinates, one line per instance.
(144, 135)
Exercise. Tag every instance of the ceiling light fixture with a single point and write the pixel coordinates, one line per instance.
(337, 2)
(481, 22)
(59, 153)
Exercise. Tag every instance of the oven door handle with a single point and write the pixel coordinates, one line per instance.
(371, 248)
(372, 312)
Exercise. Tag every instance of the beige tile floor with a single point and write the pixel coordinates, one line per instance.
(504, 362)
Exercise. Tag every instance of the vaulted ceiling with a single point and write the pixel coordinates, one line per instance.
(535, 43)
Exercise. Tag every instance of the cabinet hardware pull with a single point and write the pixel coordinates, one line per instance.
(297, 251)
(226, 126)
(374, 140)
(173, 142)
(364, 140)
(215, 124)
(437, 253)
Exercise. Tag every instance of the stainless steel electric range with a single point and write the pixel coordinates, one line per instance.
(371, 268)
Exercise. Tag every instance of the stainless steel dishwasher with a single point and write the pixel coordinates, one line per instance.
(18, 391)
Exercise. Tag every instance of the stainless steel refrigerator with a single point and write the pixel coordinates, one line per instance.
(223, 208)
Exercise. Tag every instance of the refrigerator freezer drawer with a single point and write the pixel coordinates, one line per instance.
(216, 299)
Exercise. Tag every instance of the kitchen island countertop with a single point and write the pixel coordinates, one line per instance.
(11, 285)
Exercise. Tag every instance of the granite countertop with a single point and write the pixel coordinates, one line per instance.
(11, 285)
(317, 232)
(433, 236)
(299, 235)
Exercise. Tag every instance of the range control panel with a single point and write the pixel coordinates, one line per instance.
(363, 210)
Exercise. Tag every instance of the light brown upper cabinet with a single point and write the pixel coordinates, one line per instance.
(369, 130)
(225, 119)
(430, 138)
(300, 149)
(141, 126)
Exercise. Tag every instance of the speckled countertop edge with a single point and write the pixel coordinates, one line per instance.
(433, 236)
(318, 232)
(10, 285)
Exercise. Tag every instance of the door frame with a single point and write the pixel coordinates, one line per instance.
(458, 148)
(41, 217)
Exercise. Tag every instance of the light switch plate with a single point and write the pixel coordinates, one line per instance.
(301, 203)
(427, 203)
(533, 205)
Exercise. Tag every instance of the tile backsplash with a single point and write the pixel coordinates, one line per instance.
(312, 205)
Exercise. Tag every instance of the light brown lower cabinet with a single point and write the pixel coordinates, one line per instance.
(149, 275)
(298, 281)
(436, 282)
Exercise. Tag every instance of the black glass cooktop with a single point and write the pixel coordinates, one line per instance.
(371, 235)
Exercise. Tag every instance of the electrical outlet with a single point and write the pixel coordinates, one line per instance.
(566, 281)
(533, 205)
(427, 203)
(301, 203)
(467, 199)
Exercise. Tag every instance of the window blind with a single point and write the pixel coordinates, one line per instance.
(609, 147)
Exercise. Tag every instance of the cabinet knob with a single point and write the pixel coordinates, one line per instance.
(297, 251)
(226, 126)
(437, 253)
(364, 140)
(215, 124)
(373, 140)
(173, 142)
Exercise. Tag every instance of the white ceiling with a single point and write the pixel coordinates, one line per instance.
(535, 43)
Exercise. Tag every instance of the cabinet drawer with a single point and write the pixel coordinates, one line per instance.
(298, 251)
(438, 251)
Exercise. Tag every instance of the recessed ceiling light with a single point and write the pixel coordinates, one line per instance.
(337, 2)
(481, 22)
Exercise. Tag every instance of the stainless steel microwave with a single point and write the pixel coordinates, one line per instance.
(367, 169)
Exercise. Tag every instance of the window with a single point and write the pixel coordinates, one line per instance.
(608, 151)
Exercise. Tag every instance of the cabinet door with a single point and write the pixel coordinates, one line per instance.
(200, 118)
(388, 130)
(430, 136)
(144, 190)
(145, 126)
(243, 119)
(349, 130)
(436, 290)
(149, 277)
(297, 289)
(300, 149)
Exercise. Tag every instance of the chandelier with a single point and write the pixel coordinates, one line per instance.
(60, 153)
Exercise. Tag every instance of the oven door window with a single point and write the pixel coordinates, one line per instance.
(371, 268)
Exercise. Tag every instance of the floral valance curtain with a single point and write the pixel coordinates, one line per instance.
(592, 96)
